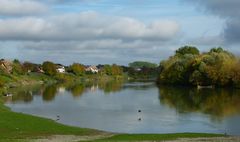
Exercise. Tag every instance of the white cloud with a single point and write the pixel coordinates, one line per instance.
(85, 26)
(21, 7)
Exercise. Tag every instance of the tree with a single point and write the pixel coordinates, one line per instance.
(187, 50)
(217, 67)
(77, 69)
(17, 67)
(116, 70)
(107, 69)
(49, 68)
(141, 64)
(30, 67)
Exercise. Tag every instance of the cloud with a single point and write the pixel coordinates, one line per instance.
(227, 9)
(21, 7)
(87, 52)
(85, 26)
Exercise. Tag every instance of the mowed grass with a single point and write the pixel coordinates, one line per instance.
(156, 137)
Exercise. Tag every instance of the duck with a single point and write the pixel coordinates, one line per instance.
(139, 110)
(8, 95)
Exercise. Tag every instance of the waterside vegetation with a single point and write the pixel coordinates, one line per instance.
(216, 68)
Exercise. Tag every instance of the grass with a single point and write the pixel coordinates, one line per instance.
(155, 137)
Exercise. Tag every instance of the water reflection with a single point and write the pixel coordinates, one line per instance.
(49, 92)
(76, 90)
(110, 86)
(218, 103)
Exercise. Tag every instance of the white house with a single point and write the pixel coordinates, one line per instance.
(92, 69)
(61, 69)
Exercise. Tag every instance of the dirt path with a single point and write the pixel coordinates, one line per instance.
(72, 138)
(215, 139)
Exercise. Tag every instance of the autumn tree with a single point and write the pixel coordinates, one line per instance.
(49, 68)
(77, 69)
(187, 50)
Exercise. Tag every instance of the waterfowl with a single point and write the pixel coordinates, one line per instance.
(8, 95)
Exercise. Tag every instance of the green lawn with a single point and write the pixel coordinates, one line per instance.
(155, 137)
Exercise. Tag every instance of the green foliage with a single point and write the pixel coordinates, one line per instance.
(143, 74)
(217, 67)
(113, 70)
(155, 137)
(141, 64)
(107, 69)
(30, 67)
(187, 50)
(1, 83)
(49, 68)
(17, 68)
(77, 69)
(116, 70)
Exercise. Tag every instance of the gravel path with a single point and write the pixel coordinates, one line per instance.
(72, 138)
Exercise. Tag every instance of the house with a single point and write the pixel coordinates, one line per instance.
(92, 69)
(60, 68)
(6, 65)
(39, 70)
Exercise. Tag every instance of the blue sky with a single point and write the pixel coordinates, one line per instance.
(119, 31)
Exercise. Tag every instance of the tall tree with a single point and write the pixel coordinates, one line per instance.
(49, 68)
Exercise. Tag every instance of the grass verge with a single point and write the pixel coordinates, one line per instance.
(155, 137)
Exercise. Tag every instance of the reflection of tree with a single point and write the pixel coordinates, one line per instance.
(139, 85)
(77, 90)
(49, 93)
(110, 86)
(216, 102)
(25, 96)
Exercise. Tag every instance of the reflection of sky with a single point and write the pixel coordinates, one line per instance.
(118, 112)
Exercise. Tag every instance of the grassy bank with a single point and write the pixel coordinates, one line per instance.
(155, 137)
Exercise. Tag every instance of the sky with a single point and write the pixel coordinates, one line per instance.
(114, 31)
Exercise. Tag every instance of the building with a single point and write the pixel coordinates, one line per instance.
(60, 68)
(6, 65)
(92, 69)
